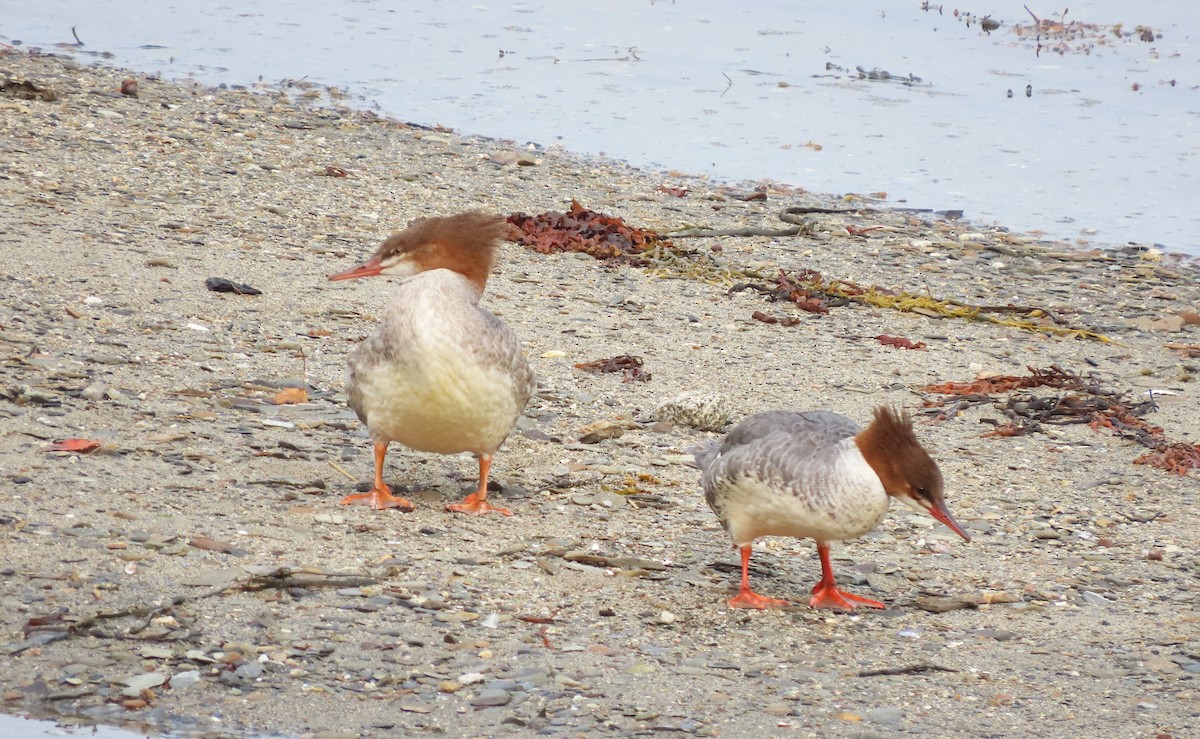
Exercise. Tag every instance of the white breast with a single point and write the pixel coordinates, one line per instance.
(441, 374)
(836, 497)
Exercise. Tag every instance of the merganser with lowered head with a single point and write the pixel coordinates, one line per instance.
(440, 374)
(816, 475)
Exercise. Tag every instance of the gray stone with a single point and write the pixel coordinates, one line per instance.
(138, 683)
(491, 697)
(1094, 599)
(184, 680)
(885, 716)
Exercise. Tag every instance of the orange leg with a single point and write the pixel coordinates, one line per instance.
(826, 593)
(747, 598)
(380, 496)
(476, 502)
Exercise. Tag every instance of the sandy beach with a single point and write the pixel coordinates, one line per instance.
(189, 568)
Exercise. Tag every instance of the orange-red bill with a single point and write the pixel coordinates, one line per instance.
(942, 513)
(369, 268)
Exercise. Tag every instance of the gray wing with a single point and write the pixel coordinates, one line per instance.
(505, 350)
(810, 428)
(777, 446)
(364, 355)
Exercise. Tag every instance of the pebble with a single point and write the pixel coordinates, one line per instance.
(598, 431)
(455, 617)
(108, 359)
(490, 697)
(700, 410)
(185, 679)
(1094, 599)
(94, 392)
(138, 683)
(890, 717)
(410, 705)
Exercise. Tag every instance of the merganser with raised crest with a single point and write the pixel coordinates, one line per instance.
(816, 475)
(440, 374)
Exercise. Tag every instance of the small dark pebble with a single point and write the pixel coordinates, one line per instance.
(997, 634)
(222, 285)
(491, 697)
(84, 531)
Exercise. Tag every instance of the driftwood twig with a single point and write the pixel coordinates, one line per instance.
(53, 627)
(906, 670)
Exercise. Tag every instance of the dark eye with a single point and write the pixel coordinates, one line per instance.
(922, 492)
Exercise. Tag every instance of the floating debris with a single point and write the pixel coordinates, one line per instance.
(26, 90)
(79, 446)
(1086, 402)
(628, 365)
(779, 320)
(222, 285)
(810, 291)
(603, 236)
(899, 342)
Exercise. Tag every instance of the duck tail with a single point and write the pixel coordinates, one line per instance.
(704, 454)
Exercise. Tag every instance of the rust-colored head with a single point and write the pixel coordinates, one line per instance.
(465, 243)
(906, 470)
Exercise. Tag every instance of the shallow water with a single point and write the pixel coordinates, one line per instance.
(17, 727)
(739, 90)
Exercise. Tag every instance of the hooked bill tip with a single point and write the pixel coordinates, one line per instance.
(942, 513)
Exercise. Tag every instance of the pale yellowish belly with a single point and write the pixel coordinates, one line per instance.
(754, 509)
(458, 408)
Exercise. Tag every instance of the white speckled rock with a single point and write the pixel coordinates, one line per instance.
(699, 410)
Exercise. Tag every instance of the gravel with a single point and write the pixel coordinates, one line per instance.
(195, 573)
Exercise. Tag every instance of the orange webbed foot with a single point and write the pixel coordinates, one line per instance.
(751, 599)
(476, 503)
(379, 499)
(828, 596)
(477, 506)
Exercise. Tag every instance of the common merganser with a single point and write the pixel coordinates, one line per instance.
(816, 475)
(440, 374)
